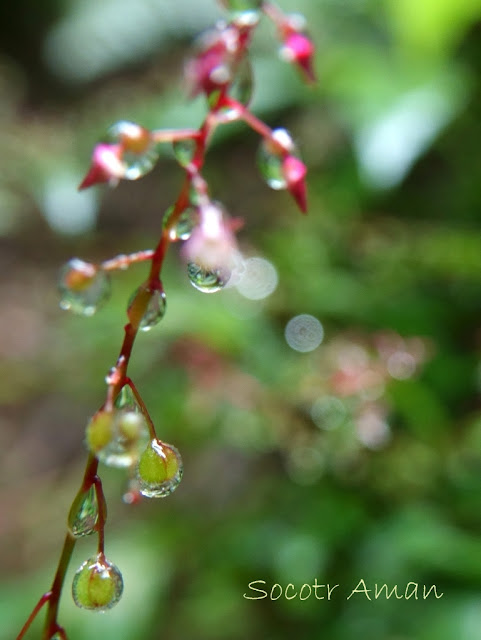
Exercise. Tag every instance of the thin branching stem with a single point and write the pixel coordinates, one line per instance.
(107, 167)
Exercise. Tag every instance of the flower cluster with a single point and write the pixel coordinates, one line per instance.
(121, 432)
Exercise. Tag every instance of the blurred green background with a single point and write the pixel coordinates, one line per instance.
(360, 459)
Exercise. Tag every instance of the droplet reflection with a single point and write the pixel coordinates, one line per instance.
(304, 333)
(258, 280)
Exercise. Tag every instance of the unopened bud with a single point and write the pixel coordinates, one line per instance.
(298, 49)
(106, 166)
(295, 171)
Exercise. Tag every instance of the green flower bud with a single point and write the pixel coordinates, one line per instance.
(99, 431)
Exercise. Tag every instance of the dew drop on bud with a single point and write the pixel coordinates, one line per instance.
(97, 584)
(240, 90)
(245, 13)
(196, 196)
(243, 85)
(272, 152)
(184, 151)
(139, 152)
(117, 437)
(185, 224)
(84, 513)
(113, 376)
(146, 307)
(83, 287)
(126, 400)
(207, 280)
(160, 470)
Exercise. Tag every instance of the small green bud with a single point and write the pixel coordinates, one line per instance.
(99, 431)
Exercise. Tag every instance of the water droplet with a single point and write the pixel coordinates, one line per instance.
(241, 90)
(126, 400)
(146, 307)
(84, 513)
(304, 333)
(243, 12)
(182, 229)
(139, 152)
(184, 151)
(272, 152)
(197, 198)
(97, 584)
(160, 470)
(207, 280)
(117, 437)
(243, 85)
(113, 376)
(83, 287)
(258, 279)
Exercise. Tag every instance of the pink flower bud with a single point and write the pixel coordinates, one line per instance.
(294, 171)
(299, 49)
(106, 165)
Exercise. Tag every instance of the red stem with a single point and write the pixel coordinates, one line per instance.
(53, 596)
(140, 402)
(122, 261)
(118, 375)
(51, 625)
(173, 135)
(102, 509)
(249, 118)
(273, 12)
